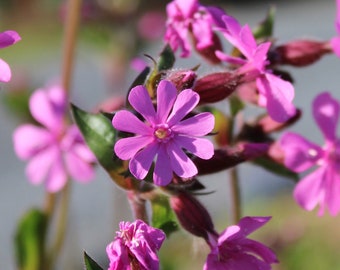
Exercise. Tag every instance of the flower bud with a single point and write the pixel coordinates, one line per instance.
(182, 79)
(216, 86)
(192, 215)
(227, 157)
(300, 53)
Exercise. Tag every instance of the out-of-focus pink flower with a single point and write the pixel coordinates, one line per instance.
(323, 185)
(138, 64)
(186, 17)
(136, 244)
(335, 41)
(151, 25)
(232, 250)
(274, 93)
(164, 133)
(55, 150)
(7, 38)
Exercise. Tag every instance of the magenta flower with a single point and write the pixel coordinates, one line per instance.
(274, 93)
(335, 41)
(7, 38)
(186, 17)
(136, 244)
(164, 133)
(55, 150)
(233, 251)
(323, 185)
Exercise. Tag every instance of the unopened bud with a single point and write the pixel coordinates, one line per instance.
(228, 157)
(300, 53)
(217, 86)
(192, 215)
(182, 79)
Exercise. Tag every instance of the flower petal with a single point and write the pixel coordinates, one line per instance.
(140, 100)
(78, 168)
(181, 164)
(126, 148)
(202, 148)
(309, 191)
(332, 192)
(162, 175)
(48, 107)
(140, 164)
(300, 154)
(254, 247)
(251, 224)
(57, 176)
(8, 38)
(29, 140)
(166, 96)
(5, 71)
(128, 122)
(279, 95)
(38, 167)
(326, 114)
(185, 103)
(198, 125)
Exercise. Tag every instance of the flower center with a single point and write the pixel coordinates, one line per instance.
(162, 132)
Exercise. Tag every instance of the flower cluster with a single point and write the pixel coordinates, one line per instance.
(135, 247)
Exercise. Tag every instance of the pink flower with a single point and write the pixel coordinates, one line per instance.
(323, 185)
(274, 93)
(164, 133)
(135, 244)
(187, 17)
(7, 38)
(233, 251)
(335, 41)
(55, 150)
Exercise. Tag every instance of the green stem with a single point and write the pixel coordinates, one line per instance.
(70, 33)
(59, 235)
(235, 196)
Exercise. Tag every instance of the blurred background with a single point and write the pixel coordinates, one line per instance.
(113, 32)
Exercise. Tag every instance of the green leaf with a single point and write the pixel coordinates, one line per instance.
(166, 59)
(90, 264)
(162, 215)
(30, 240)
(236, 105)
(100, 136)
(265, 29)
(276, 168)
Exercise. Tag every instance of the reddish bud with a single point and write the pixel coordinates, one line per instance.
(225, 158)
(192, 215)
(217, 86)
(300, 53)
(182, 79)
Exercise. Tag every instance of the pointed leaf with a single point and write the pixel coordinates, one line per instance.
(236, 105)
(162, 215)
(100, 136)
(30, 240)
(166, 59)
(90, 264)
(265, 29)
